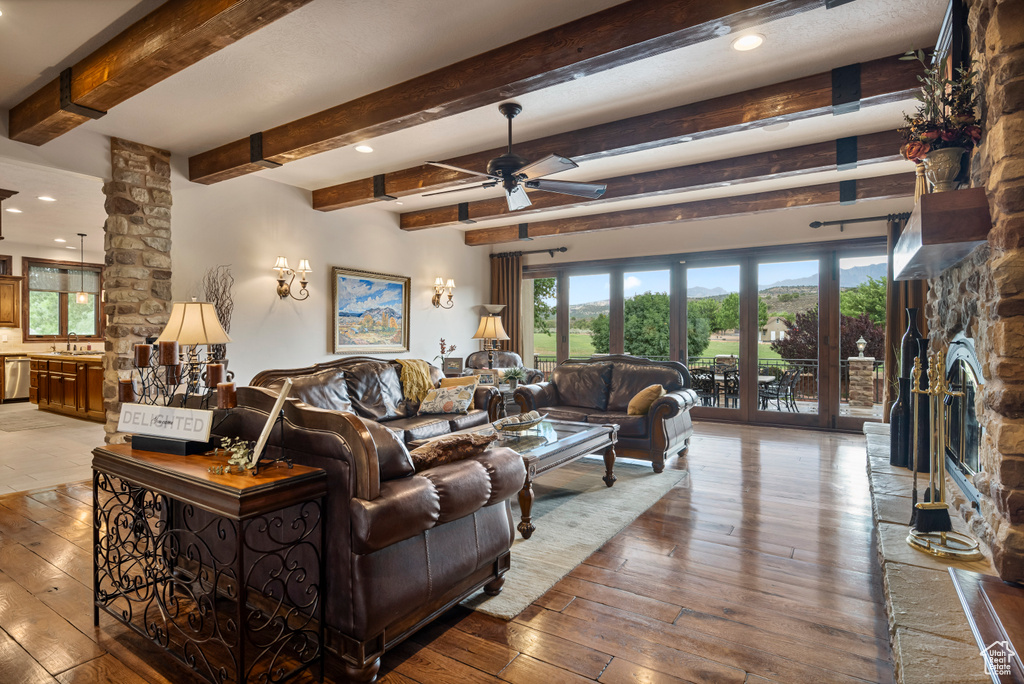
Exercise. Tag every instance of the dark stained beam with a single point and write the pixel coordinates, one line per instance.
(616, 36)
(172, 37)
(884, 187)
(882, 80)
(794, 161)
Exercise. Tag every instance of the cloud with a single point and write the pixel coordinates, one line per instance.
(357, 296)
(631, 283)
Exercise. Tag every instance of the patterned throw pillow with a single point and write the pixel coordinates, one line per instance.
(461, 381)
(449, 449)
(447, 400)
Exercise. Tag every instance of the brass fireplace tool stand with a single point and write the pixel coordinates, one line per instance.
(933, 532)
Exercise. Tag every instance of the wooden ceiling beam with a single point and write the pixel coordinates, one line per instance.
(883, 187)
(172, 37)
(793, 161)
(881, 81)
(616, 36)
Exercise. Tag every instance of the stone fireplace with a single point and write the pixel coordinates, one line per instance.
(964, 431)
(982, 297)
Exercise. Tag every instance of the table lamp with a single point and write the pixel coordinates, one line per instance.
(491, 330)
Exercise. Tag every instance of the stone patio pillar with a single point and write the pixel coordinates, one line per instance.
(862, 382)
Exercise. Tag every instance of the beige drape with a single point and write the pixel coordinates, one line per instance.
(506, 288)
(899, 296)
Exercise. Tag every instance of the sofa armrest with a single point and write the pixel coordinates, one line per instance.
(674, 403)
(488, 398)
(533, 376)
(535, 397)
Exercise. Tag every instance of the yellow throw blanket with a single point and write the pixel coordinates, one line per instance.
(415, 378)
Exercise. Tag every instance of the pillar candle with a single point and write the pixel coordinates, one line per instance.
(169, 353)
(226, 396)
(126, 391)
(173, 373)
(214, 374)
(143, 354)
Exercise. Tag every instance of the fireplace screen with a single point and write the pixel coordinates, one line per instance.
(963, 432)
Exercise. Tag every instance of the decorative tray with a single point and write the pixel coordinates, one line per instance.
(518, 427)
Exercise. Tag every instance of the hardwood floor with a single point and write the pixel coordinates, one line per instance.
(759, 567)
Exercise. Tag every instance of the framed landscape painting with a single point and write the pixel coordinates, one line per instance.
(371, 312)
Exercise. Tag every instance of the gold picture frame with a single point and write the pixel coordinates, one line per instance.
(370, 311)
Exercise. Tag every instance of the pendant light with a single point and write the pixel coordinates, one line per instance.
(82, 297)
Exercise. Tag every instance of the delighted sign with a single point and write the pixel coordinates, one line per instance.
(164, 421)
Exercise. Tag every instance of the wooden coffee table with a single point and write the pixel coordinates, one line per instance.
(550, 445)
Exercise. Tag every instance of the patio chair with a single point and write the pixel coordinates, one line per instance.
(790, 394)
(703, 382)
(777, 390)
(731, 387)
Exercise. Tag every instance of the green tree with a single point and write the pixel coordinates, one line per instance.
(706, 308)
(600, 335)
(698, 334)
(646, 324)
(786, 316)
(729, 312)
(866, 298)
(543, 313)
(762, 313)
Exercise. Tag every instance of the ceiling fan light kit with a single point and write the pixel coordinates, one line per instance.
(516, 173)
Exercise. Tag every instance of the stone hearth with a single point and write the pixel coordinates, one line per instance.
(930, 637)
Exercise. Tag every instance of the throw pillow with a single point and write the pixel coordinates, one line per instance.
(448, 449)
(641, 402)
(447, 400)
(469, 380)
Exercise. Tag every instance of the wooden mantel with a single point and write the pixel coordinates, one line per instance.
(943, 229)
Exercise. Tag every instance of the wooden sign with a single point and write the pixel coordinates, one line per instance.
(165, 421)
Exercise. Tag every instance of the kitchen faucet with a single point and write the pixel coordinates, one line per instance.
(70, 335)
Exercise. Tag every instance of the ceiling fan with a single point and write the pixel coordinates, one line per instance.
(516, 173)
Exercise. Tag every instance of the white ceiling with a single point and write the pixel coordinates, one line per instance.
(332, 51)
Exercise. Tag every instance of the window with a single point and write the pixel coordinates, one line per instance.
(51, 308)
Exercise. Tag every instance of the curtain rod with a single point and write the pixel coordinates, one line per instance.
(867, 219)
(552, 251)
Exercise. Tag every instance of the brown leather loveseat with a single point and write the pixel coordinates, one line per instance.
(500, 361)
(598, 390)
(372, 388)
(401, 547)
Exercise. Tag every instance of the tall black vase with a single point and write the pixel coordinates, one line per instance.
(908, 346)
(923, 413)
(899, 419)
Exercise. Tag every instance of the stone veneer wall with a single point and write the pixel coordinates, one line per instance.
(983, 296)
(137, 272)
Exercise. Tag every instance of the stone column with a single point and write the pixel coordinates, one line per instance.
(862, 381)
(137, 272)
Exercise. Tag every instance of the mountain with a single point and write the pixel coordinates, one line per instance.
(698, 292)
(589, 309)
(849, 277)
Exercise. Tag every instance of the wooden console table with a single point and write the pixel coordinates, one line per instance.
(223, 571)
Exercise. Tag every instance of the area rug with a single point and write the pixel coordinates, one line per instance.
(575, 514)
(17, 423)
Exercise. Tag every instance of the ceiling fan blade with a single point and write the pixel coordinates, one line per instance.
(517, 198)
(462, 170)
(547, 166)
(488, 184)
(591, 190)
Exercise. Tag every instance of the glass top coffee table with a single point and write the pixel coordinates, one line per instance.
(550, 445)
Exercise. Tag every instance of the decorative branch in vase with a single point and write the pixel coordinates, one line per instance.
(945, 125)
(446, 351)
(217, 285)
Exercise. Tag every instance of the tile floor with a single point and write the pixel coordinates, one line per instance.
(30, 459)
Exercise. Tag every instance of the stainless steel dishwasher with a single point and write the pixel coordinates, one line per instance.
(16, 377)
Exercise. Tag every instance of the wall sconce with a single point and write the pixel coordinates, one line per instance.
(283, 271)
(439, 288)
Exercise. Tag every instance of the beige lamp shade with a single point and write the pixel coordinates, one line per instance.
(490, 329)
(194, 323)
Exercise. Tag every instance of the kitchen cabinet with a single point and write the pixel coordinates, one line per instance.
(72, 385)
(10, 296)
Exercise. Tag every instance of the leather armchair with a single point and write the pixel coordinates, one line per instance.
(598, 390)
(503, 360)
(401, 547)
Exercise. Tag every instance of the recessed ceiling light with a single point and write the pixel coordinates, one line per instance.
(59, 240)
(70, 247)
(776, 126)
(365, 149)
(46, 198)
(748, 42)
(399, 203)
(13, 210)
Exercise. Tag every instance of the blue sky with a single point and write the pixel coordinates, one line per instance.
(594, 288)
(359, 294)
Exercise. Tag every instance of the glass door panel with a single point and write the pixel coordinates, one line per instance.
(646, 314)
(787, 343)
(862, 283)
(713, 334)
(540, 309)
(589, 327)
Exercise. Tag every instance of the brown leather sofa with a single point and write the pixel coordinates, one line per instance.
(372, 388)
(401, 547)
(478, 361)
(598, 390)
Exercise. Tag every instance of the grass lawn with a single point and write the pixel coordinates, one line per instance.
(582, 346)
